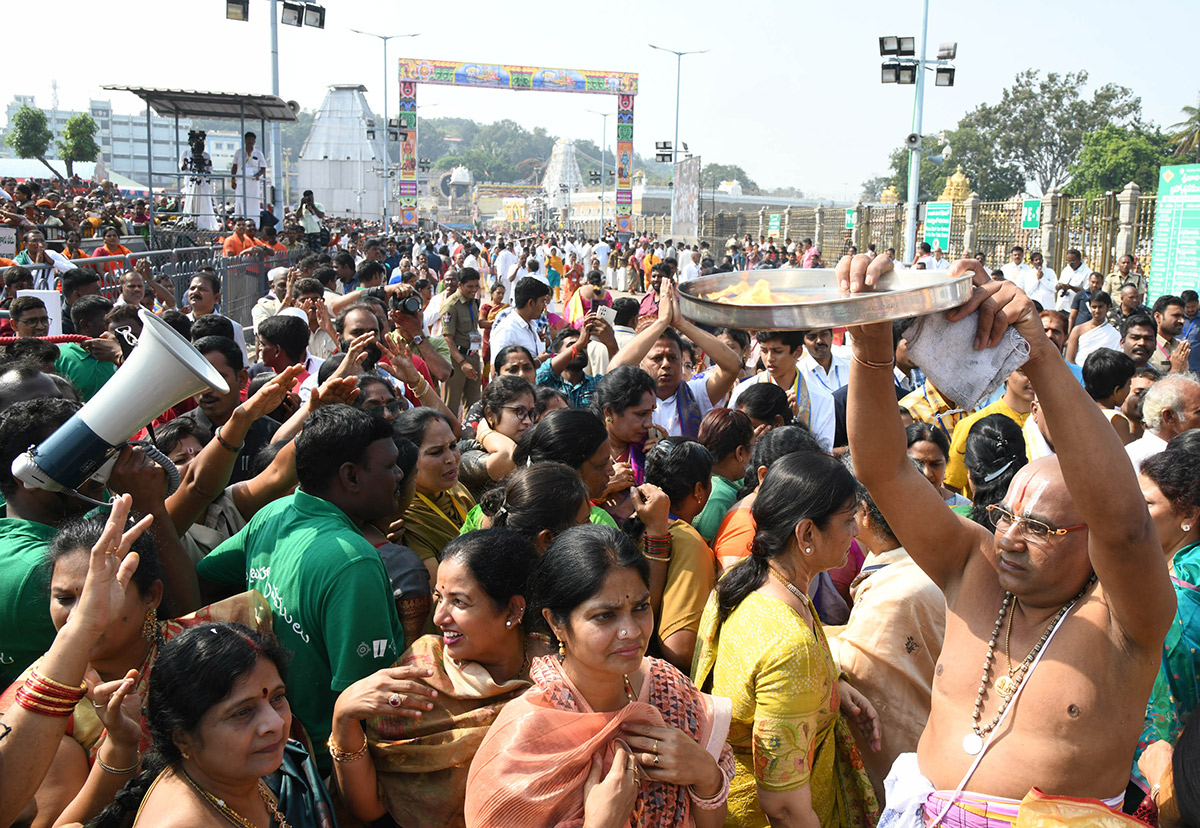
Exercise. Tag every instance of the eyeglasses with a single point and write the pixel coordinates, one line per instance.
(34, 321)
(1034, 530)
(522, 413)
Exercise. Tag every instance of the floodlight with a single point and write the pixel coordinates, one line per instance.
(292, 15)
(908, 46)
(237, 10)
(314, 15)
(947, 51)
(890, 73)
(907, 74)
(889, 45)
(662, 145)
(944, 76)
(663, 157)
(370, 135)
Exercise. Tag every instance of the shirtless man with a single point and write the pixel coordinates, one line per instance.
(1074, 724)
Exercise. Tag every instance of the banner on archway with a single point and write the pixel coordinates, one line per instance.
(624, 85)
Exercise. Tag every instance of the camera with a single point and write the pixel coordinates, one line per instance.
(409, 304)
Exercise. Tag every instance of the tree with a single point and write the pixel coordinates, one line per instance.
(78, 141)
(1112, 157)
(872, 189)
(933, 178)
(730, 172)
(1040, 123)
(1187, 139)
(992, 177)
(29, 135)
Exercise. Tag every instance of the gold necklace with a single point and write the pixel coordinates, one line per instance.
(792, 588)
(233, 817)
(629, 694)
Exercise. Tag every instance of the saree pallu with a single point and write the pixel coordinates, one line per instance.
(1176, 692)
(532, 765)
(421, 763)
(249, 609)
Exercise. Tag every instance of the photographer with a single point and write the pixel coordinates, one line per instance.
(310, 214)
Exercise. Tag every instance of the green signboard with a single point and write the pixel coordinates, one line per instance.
(1176, 263)
(937, 224)
(1031, 214)
(773, 222)
(851, 215)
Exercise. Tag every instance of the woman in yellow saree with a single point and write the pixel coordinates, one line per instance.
(762, 646)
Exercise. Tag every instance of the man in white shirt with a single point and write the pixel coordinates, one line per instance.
(309, 214)
(924, 255)
(691, 270)
(780, 354)
(531, 297)
(1016, 269)
(626, 309)
(249, 177)
(821, 366)
(1039, 281)
(601, 251)
(505, 260)
(939, 262)
(1170, 407)
(658, 350)
(1072, 280)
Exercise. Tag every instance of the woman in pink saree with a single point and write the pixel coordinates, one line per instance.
(606, 734)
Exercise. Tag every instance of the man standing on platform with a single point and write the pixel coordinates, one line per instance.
(249, 171)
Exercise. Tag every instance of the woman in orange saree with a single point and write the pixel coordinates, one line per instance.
(605, 734)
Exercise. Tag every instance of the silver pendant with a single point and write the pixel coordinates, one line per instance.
(972, 743)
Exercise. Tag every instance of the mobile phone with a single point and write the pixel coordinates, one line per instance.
(607, 314)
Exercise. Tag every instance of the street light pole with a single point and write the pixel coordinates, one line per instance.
(675, 145)
(387, 155)
(276, 133)
(603, 150)
(914, 155)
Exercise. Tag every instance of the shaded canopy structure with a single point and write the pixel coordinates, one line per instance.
(187, 103)
(190, 103)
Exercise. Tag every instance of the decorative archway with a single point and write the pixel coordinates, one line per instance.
(521, 78)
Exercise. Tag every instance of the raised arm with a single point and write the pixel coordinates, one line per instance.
(1122, 543)
(937, 539)
(728, 363)
(637, 348)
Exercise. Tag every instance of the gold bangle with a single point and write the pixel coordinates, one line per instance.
(80, 688)
(866, 363)
(118, 771)
(344, 756)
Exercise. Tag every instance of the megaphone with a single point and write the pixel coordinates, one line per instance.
(161, 371)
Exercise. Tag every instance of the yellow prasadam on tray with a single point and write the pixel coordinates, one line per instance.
(758, 294)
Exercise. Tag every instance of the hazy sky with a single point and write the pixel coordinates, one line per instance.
(790, 91)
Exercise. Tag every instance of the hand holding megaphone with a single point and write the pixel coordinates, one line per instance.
(141, 478)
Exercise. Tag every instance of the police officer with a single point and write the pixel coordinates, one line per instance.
(460, 327)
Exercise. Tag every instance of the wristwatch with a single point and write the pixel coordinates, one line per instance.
(418, 339)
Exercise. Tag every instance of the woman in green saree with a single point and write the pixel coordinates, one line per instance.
(1171, 485)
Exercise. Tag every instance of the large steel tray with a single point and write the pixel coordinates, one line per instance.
(898, 294)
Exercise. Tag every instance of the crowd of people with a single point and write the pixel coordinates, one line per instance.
(487, 532)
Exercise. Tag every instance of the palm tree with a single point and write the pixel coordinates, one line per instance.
(1187, 138)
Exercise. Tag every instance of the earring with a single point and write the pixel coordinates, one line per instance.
(608, 420)
(508, 623)
(808, 550)
(150, 630)
(562, 649)
(1187, 527)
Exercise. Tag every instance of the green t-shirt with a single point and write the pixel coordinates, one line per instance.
(330, 596)
(85, 372)
(475, 519)
(720, 501)
(26, 631)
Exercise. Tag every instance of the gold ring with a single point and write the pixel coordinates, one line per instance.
(656, 760)
(656, 746)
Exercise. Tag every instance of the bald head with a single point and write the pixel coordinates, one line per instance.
(24, 382)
